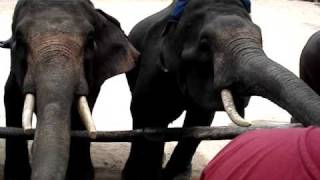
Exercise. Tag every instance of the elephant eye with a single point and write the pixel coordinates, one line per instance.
(90, 40)
(205, 51)
(204, 45)
(89, 47)
(188, 25)
(19, 36)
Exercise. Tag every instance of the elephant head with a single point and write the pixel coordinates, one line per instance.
(61, 53)
(215, 50)
(309, 62)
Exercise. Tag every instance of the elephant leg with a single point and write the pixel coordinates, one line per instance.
(146, 156)
(144, 162)
(145, 159)
(179, 165)
(80, 164)
(16, 165)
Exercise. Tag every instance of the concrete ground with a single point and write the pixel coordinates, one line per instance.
(286, 25)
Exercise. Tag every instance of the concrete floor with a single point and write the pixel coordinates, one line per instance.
(286, 25)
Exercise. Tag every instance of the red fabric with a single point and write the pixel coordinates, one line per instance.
(277, 154)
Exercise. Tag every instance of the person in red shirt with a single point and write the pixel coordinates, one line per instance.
(274, 154)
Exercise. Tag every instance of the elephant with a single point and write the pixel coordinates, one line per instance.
(61, 54)
(312, 0)
(213, 52)
(310, 62)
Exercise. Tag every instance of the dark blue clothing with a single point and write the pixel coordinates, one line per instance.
(178, 10)
(247, 5)
(181, 4)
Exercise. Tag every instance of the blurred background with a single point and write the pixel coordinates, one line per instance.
(286, 26)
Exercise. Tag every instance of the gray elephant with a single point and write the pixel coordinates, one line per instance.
(310, 62)
(61, 53)
(212, 54)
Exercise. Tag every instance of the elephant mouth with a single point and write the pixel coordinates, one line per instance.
(83, 108)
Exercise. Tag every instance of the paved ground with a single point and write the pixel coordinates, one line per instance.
(286, 25)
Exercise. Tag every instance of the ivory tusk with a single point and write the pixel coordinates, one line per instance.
(230, 108)
(86, 117)
(27, 113)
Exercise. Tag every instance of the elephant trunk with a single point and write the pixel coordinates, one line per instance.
(268, 79)
(54, 99)
(52, 142)
(56, 76)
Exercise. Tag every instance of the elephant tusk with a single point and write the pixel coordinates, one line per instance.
(86, 117)
(27, 113)
(230, 108)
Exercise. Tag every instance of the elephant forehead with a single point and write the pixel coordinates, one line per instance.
(53, 19)
(67, 44)
(63, 23)
(75, 40)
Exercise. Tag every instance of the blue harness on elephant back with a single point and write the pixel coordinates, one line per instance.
(247, 5)
(178, 10)
(181, 4)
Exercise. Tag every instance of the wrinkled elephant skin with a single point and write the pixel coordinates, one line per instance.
(187, 65)
(61, 53)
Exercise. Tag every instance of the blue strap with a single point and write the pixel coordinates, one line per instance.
(247, 5)
(181, 4)
(178, 9)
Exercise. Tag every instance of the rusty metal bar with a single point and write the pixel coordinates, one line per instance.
(167, 135)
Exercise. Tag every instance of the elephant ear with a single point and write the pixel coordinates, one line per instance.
(113, 53)
(6, 44)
